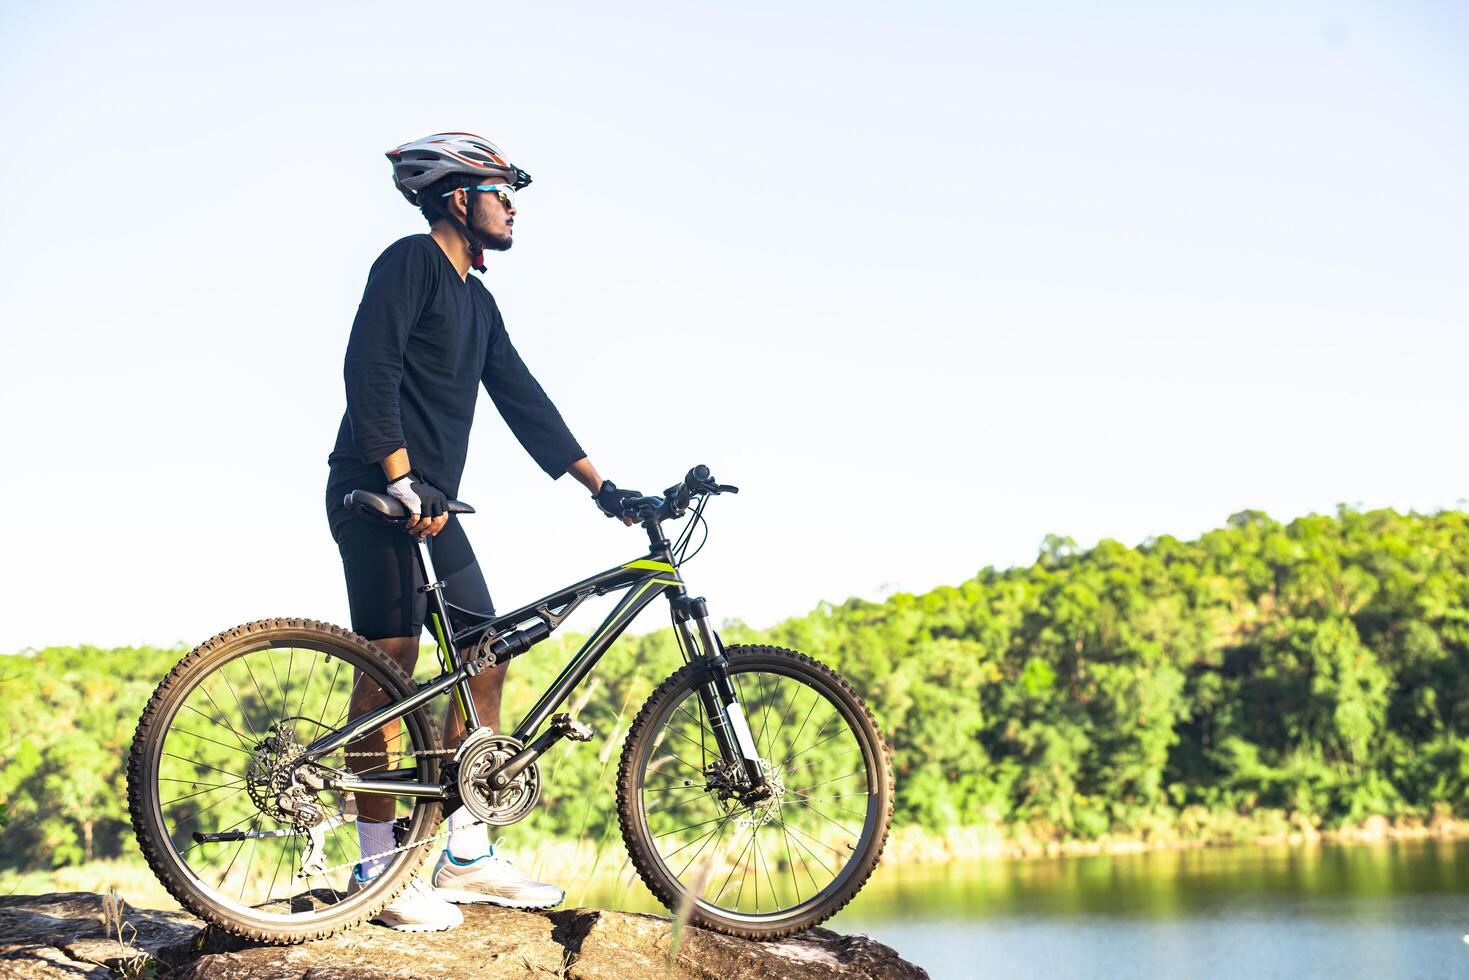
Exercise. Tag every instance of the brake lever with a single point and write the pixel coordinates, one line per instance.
(725, 488)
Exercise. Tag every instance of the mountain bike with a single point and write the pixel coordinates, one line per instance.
(754, 786)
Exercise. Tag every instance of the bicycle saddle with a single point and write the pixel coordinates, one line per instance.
(382, 507)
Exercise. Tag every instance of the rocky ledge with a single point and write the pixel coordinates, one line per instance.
(79, 934)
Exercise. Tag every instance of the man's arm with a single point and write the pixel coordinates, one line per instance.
(395, 465)
(527, 409)
(373, 367)
(586, 474)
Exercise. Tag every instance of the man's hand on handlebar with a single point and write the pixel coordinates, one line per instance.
(635, 508)
(610, 500)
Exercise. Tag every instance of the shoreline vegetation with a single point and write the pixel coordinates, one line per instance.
(1266, 683)
(910, 850)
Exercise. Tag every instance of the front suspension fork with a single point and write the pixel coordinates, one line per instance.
(721, 702)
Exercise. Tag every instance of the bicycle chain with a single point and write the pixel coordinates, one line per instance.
(411, 844)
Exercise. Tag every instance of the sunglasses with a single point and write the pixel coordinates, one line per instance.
(505, 192)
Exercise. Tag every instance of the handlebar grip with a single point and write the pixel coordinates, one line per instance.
(637, 506)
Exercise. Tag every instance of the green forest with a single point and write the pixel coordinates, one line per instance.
(1264, 675)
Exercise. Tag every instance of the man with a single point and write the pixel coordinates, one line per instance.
(426, 336)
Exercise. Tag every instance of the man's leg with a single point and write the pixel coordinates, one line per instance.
(366, 696)
(464, 586)
(379, 566)
(376, 813)
(469, 870)
(487, 686)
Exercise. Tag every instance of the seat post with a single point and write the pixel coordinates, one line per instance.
(426, 564)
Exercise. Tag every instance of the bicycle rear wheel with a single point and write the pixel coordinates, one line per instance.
(212, 755)
(776, 867)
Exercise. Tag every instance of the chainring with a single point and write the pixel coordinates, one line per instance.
(482, 755)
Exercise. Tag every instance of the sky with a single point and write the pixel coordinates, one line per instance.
(927, 281)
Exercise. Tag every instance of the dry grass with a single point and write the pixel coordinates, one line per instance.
(132, 962)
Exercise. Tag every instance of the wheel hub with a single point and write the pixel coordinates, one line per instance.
(759, 812)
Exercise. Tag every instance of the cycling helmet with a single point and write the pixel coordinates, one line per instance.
(418, 164)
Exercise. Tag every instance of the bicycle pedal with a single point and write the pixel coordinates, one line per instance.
(577, 731)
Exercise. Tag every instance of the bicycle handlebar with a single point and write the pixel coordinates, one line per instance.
(675, 499)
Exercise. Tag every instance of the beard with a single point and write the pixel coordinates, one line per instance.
(491, 241)
(495, 243)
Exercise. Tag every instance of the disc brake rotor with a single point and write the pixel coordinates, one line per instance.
(268, 773)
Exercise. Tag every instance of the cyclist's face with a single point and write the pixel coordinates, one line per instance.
(494, 221)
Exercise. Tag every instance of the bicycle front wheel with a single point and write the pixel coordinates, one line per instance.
(775, 867)
(210, 786)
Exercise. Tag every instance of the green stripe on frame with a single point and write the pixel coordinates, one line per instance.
(650, 565)
(447, 659)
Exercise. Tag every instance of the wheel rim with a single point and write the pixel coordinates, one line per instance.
(773, 861)
(210, 773)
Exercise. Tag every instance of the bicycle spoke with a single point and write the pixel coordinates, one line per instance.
(265, 701)
(205, 738)
(244, 742)
(331, 687)
(797, 738)
(808, 850)
(822, 843)
(691, 826)
(843, 829)
(684, 802)
(828, 738)
(195, 763)
(720, 829)
(196, 816)
(243, 713)
(290, 663)
(214, 789)
(310, 673)
(737, 860)
(814, 799)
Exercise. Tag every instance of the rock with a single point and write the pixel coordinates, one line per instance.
(613, 945)
(493, 944)
(64, 936)
(45, 961)
(69, 935)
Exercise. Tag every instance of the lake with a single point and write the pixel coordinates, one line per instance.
(1382, 911)
(1387, 911)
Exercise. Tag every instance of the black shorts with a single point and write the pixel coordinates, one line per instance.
(382, 573)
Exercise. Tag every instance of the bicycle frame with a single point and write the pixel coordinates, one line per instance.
(644, 578)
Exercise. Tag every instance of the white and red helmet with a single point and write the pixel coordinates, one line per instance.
(420, 163)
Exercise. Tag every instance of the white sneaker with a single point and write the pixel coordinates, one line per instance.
(492, 879)
(417, 909)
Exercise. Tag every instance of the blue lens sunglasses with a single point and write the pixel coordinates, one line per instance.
(505, 192)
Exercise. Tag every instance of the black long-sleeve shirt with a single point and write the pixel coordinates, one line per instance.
(422, 343)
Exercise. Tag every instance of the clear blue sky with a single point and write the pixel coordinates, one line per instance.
(927, 280)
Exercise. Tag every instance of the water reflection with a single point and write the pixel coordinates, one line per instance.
(1389, 910)
(1393, 910)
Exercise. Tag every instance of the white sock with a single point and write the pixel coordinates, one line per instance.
(467, 840)
(374, 837)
